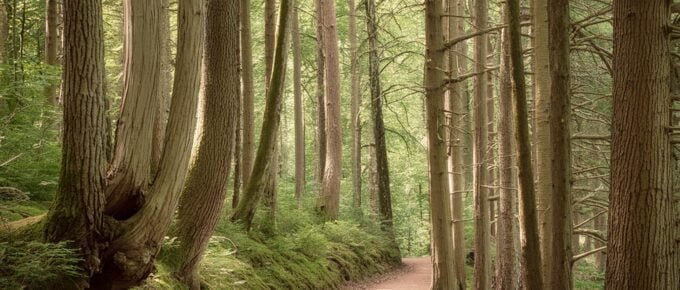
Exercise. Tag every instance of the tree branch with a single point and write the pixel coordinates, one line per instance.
(586, 254)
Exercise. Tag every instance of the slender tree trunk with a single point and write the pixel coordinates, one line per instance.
(164, 89)
(203, 196)
(492, 160)
(77, 213)
(601, 257)
(129, 172)
(641, 246)
(541, 137)
(328, 204)
(51, 44)
(560, 136)
(372, 168)
(506, 268)
(299, 112)
(4, 30)
(248, 117)
(356, 105)
(444, 270)
(482, 245)
(270, 192)
(531, 257)
(255, 187)
(320, 96)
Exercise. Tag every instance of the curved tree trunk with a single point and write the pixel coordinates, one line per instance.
(641, 244)
(255, 187)
(164, 89)
(203, 197)
(328, 204)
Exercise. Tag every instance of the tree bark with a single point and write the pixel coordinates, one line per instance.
(641, 246)
(269, 199)
(164, 89)
(248, 117)
(328, 204)
(506, 269)
(531, 258)
(444, 268)
(255, 187)
(482, 264)
(299, 112)
(356, 105)
(129, 171)
(560, 137)
(320, 96)
(77, 212)
(203, 197)
(51, 44)
(542, 141)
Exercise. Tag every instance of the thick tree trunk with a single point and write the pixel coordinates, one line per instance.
(203, 197)
(531, 257)
(506, 269)
(164, 89)
(444, 271)
(642, 229)
(356, 105)
(560, 137)
(129, 171)
(52, 42)
(255, 187)
(299, 112)
(541, 137)
(482, 264)
(248, 98)
(320, 96)
(77, 212)
(328, 204)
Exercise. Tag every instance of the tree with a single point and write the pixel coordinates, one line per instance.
(530, 258)
(248, 113)
(203, 197)
(482, 244)
(641, 246)
(255, 186)
(51, 43)
(328, 204)
(320, 96)
(270, 197)
(443, 274)
(164, 89)
(356, 105)
(299, 112)
(542, 142)
(560, 137)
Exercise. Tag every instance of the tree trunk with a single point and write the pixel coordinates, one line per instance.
(77, 212)
(299, 112)
(641, 246)
(444, 271)
(269, 199)
(491, 164)
(164, 89)
(129, 171)
(328, 204)
(481, 193)
(255, 187)
(356, 105)
(51, 44)
(320, 96)
(506, 268)
(560, 137)
(531, 257)
(204, 193)
(541, 138)
(601, 257)
(248, 98)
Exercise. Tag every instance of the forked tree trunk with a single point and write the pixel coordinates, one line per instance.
(356, 106)
(255, 187)
(642, 231)
(443, 274)
(541, 137)
(164, 89)
(531, 257)
(328, 205)
(77, 212)
(560, 136)
(52, 42)
(203, 197)
(129, 171)
(299, 111)
(482, 264)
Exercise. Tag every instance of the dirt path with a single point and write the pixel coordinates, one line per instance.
(416, 274)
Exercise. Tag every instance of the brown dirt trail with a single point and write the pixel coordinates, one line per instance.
(415, 274)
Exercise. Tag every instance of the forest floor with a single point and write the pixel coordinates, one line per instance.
(414, 274)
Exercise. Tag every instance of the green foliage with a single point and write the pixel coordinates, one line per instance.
(36, 265)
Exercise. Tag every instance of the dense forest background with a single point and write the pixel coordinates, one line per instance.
(384, 62)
